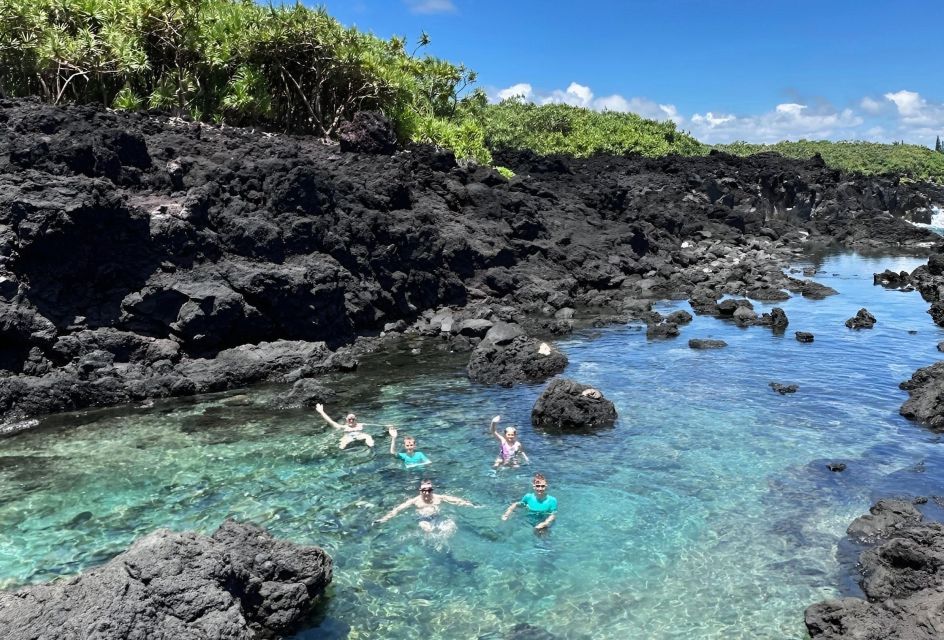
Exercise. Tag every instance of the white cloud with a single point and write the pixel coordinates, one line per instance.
(901, 115)
(521, 90)
(787, 121)
(871, 106)
(711, 120)
(579, 95)
(915, 110)
(431, 6)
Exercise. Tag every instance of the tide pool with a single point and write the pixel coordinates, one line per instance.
(706, 512)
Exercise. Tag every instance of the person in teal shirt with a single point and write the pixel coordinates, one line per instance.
(540, 505)
(411, 457)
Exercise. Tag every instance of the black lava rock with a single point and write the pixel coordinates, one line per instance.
(239, 583)
(571, 406)
(862, 320)
(523, 359)
(704, 343)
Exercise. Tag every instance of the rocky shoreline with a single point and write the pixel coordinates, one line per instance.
(239, 583)
(902, 580)
(143, 257)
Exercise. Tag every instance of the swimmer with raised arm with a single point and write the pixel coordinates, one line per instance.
(427, 507)
(542, 508)
(411, 457)
(511, 450)
(353, 430)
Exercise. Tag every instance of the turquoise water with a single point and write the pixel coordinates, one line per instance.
(706, 512)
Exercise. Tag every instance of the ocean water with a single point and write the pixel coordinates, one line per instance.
(707, 511)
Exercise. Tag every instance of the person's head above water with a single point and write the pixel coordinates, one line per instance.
(511, 433)
(409, 443)
(426, 490)
(351, 419)
(539, 482)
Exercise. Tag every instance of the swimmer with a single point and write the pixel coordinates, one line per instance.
(541, 507)
(412, 457)
(511, 448)
(353, 430)
(427, 507)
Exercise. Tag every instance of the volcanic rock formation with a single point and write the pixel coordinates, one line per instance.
(240, 583)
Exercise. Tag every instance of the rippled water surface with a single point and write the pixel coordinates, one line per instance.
(706, 512)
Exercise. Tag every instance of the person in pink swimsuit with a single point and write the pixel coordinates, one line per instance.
(512, 451)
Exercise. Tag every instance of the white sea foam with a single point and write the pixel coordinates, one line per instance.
(937, 220)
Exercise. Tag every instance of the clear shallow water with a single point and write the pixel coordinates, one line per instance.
(706, 512)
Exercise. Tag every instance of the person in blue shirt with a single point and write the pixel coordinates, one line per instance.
(541, 506)
(411, 457)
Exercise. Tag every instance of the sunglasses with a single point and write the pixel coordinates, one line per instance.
(540, 486)
(426, 490)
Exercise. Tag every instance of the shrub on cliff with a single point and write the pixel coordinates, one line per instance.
(559, 128)
(235, 61)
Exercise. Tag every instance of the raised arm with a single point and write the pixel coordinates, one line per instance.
(491, 428)
(397, 509)
(320, 409)
(393, 439)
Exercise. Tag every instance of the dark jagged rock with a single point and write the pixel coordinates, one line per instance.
(679, 317)
(240, 583)
(836, 467)
(661, 330)
(902, 580)
(368, 132)
(704, 343)
(862, 320)
(570, 406)
(783, 389)
(523, 359)
(885, 517)
(727, 308)
(926, 396)
(804, 336)
(307, 393)
(776, 320)
(169, 245)
(892, 280)
(937, 312)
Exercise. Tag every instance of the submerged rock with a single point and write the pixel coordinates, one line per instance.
(705, 343)
(239, 584)
(862, 320)
(307, 393)
(783, 389)
(803, 336)
(569, 405)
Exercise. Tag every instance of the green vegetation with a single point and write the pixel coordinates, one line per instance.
(234, 61)
(557, 128)
(869, 158)
(296, 69)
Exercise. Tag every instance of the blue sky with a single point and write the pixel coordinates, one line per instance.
(758, 70)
